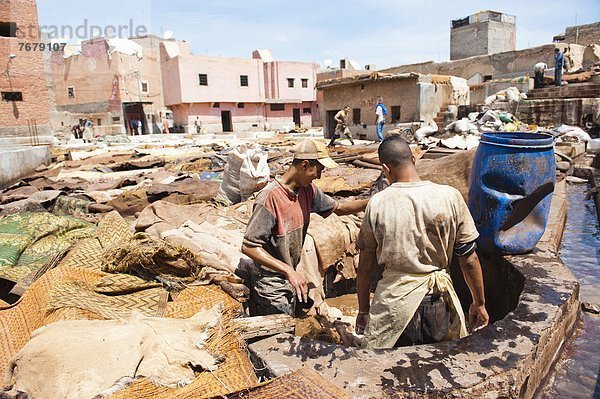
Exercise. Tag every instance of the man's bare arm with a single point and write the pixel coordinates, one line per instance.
(259, 255)
(367, 263)
(351, 207)
(471, 270)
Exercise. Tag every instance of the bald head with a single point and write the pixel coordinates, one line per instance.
(394, 151)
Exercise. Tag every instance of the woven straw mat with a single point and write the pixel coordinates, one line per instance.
(304, 383)
(81, 267)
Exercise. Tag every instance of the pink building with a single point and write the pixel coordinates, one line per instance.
(242, 94)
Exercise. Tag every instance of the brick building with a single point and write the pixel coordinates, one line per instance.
(486, 32)
(24, 113)
(110, 81)
(409, 97)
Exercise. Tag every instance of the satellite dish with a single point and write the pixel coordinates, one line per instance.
(168, 34)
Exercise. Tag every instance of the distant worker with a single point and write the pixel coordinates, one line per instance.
(538, 70)
(568, 59)
(133, 126)
(341, 119)
(140, 127)
(77, 131)
(198, 125)
(412, 229)
(559, 64)
(165, 123)
(380, 113)
(275, 233)
(87, 134)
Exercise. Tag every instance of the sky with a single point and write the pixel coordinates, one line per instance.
(381, 32)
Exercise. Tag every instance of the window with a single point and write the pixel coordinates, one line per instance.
(305, 83)
(356, 116)
(487, 78)
(70, 91)
(243, 80)
(98, 122)
(12, 96)
(241, 105)
(277, 107)
(144, 87)
(306, 111)
(203, 79)
(290, 82)
(8, 29)
(216, 105)
(395, 113)
(116, 118)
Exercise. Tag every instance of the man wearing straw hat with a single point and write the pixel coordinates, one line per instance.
(276, 231)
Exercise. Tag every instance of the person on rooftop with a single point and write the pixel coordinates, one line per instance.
(559, 64)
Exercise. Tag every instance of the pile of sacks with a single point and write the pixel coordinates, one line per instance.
(510, 95)
(247, 171)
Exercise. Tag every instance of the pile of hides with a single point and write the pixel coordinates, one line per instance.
(146, 255)
(335, 243)
(87, 358)
(31, 239)
(452, 170)
(346, 179)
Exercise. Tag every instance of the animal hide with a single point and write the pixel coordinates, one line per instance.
(84, 359)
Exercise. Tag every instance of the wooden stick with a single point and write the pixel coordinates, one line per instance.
(263, 326)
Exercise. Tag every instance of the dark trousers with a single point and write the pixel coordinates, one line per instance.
(557, 75)
(429, 324)
(538, 80)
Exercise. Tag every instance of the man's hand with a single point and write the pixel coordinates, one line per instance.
(361, 323)
(478, 317)
(299, 284)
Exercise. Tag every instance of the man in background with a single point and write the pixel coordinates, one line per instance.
(341, 127)
(380, 113)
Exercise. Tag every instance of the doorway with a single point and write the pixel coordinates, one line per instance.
(296, 116)
(226, 121)
(134, 111)
(330, 123)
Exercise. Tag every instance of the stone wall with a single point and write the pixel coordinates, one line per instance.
(23, 73)
(403, 93)
(21, 161)
(583, 34)
(486, 67)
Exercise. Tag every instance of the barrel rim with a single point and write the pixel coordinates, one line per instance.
(518, 139)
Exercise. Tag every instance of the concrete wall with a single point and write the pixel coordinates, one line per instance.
(20, 161)
(487, 32)
(253, 117)
(501, 65)
(583, 34)
(24, 73)
(277, 74)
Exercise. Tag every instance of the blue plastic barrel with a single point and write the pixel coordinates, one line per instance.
(512, 181)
